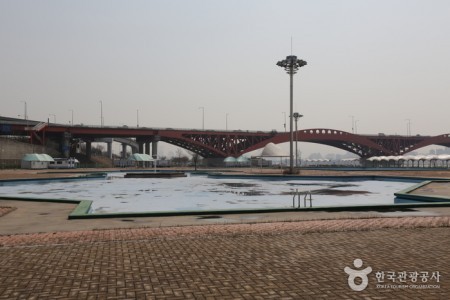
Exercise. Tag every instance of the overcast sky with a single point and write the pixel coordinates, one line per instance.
(382, 62)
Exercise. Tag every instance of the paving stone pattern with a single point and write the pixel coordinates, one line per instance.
(5, 209)
(293, 260)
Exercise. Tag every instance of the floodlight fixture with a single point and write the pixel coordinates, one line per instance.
(291, 64)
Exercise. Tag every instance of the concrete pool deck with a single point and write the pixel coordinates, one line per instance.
(41, 217)
(278, 255)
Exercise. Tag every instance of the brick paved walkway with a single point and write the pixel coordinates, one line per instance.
(290, 260)
(5, 209)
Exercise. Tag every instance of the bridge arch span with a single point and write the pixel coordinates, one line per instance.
(356, 144)
(215, 144)
(439, 140)
(197, 147)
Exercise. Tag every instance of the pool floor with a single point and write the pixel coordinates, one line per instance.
(202, 193)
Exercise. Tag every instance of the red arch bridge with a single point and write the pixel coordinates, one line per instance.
(215, 143)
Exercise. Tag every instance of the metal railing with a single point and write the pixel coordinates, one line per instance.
(305, 195)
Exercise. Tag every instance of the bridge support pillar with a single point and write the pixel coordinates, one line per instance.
(155, 141)
(154, 149)
(89, 150)
(109, 149)
(141, 147)
(66, 144)
(124, 150)
(147, 148)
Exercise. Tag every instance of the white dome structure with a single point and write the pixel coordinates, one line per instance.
(272, 150)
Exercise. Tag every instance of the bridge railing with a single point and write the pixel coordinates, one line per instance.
(15, 121)
(162, 128)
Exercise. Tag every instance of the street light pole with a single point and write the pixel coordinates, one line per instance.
(25, 114)
(226, 121)
(408, 127)
(137, 117)
(291, 65)
(72, 115)
(28, 128)
(353, 123)
(203, 117)
(296, 117)
(101, 113)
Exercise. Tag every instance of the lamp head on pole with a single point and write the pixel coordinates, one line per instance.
(291, 64)
(297, 115)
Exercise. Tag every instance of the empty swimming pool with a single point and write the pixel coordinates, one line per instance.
(114, 193)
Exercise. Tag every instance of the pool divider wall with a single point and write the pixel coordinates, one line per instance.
(83, 208)
(414, 187)
(51, 179)
(31, 199)
(406, 193)
(371, 169)
(319, 177)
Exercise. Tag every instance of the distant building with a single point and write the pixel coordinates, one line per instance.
(36, 161)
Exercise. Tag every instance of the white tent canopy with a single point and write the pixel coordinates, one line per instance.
(243, 159)
(140, 157)
(37, 157)
(411, 159)
(230, 159)
(36, 161)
